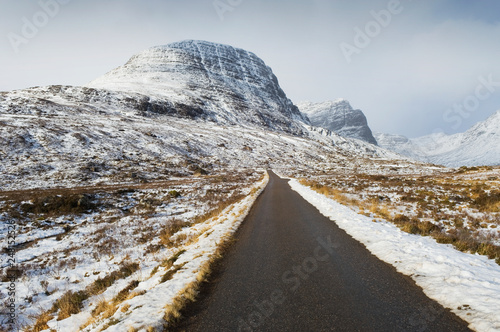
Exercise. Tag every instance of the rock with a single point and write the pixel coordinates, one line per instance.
(340, 117)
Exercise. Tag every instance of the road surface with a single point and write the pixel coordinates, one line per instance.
(292, 269)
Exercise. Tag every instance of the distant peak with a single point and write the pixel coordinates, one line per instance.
(308, 105)
(339, 116)
(337, 102)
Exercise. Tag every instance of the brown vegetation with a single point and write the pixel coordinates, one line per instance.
(452, 209)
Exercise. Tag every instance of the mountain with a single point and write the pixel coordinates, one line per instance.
(340, 117)
(171, 111)
(400, 144)
(216, 82)
(480, 145)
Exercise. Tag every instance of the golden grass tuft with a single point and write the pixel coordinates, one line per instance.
(41, 322)
(205, 271)
(190, 292)
(173, 310)
(125, 307)
(103, 310)
(70, 303)
(101, 307)
(136, 293)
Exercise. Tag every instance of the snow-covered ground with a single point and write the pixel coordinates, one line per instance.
(135, 248)
(63, 136)
(148, 310)
(116, 189)
(467, 284)
(460, 206)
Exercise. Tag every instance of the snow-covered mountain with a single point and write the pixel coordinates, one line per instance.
(217, 82)
(340, 117)
(170, 111)
(480, 145)
(138, 141)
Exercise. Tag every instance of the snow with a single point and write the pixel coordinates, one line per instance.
(153, 122)
(477, 146)
(123, 229)
(62, 145)
(467, 284)
(243, 89)
(148, 310)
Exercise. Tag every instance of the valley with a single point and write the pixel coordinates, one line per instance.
(118, 197)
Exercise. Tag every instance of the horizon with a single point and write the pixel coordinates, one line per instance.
(412, 68)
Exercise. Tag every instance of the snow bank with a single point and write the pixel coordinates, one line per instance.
(467, 284)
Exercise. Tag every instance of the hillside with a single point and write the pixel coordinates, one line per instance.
(170, 111)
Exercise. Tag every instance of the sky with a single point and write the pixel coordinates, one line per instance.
(413, 67)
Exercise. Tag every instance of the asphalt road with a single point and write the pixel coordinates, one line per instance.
(292, 269)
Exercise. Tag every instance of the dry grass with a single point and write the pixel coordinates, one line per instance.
(451, 209)
(70, 303)
(103, 310)
(111, 205)
(488, 201)
(217, 206)
(184, 297)
(101, 284)
(60, 204)
(172, 227)
(41, 322)
(124, 293)
(136, 293)
(189, 293)
(101, 307)
(415, 226)
(173, 311)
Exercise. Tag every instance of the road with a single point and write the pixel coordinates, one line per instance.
(292, 269)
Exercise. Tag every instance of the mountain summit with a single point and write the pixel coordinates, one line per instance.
(340, 117)
(228, 84)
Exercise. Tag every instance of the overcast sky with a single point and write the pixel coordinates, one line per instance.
(414, 67)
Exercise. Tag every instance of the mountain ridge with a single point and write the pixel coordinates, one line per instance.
(478, 146)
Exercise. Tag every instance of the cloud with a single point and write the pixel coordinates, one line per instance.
(417, 68)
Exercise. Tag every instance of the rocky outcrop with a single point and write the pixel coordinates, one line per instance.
(340, 117)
